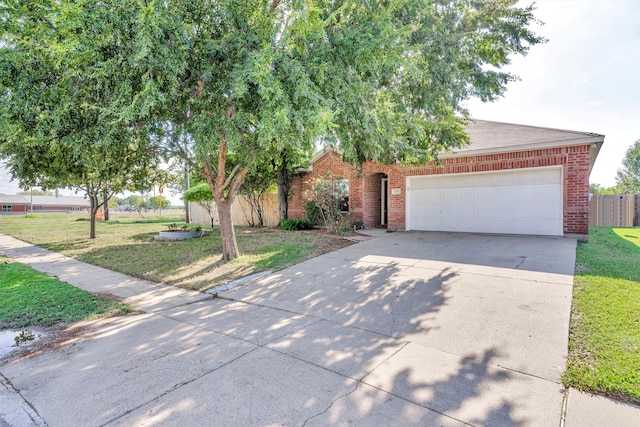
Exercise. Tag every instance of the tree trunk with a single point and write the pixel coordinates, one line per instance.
(105, 196)
(227, 233)
(92, 215)
(283, 188)
(187, 217)
(219, 185)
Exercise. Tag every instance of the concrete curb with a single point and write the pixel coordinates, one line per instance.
(235, 283)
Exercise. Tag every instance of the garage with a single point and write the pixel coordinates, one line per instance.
(517, 201)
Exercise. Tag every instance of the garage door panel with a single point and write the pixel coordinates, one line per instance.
(525, 201)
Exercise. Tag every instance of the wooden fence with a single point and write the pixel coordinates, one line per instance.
(241, 212)
(618, 210)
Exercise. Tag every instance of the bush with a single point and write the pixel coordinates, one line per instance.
(314, 215)
(296, 224)
(357, 224)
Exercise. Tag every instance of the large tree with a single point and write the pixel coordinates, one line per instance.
(56, 129)
(265, 80)
(628, 177)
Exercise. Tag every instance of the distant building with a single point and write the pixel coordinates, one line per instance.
(12, 204)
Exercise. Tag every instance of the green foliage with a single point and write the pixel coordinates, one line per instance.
(198, 193)
(357, 224)
(596, 188)
(628, 177)
(604, 338)
(296, 224)
(328, 199)
(30, 298)
(35, 193)
(83, 85)
(158, 202)
(313, 213)
(60, 74)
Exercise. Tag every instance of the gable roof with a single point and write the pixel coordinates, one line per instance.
(13, 200)
(60, 201)
(491, 137)
(44, 200)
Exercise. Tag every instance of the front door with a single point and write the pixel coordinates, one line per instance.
(383, 201)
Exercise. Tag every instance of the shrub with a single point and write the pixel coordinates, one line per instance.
(296, 224)
(314, 215)
(328, 202)
(357, 224)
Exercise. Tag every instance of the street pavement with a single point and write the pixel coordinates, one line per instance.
(428, 329)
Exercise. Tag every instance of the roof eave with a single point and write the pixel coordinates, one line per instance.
(595, 139)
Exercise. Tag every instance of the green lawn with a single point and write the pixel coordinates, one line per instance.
(126, 245)
(604, 339)
(30, 298)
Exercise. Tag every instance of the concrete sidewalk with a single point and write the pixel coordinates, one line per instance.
(315, 345)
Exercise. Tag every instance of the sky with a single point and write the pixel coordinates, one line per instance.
(585, 78)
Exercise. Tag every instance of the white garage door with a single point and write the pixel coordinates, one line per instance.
(523, 201)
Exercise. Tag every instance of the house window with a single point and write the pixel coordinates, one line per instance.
(37, 208)
(341, 190)
(6, 208)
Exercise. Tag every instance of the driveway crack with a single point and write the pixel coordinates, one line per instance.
(342, 396)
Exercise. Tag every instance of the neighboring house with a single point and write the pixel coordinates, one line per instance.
(13, 204)
(23, 204)
(511, 179)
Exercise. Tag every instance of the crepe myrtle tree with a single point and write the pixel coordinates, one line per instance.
(259, 80)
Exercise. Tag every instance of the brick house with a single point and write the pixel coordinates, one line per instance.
(511, 179)
(13, 204)
(22, 204)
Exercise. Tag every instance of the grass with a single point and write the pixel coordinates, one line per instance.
(30, 298)
(604, 338)
(126, 245)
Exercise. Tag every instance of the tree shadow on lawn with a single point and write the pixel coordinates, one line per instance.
(193, 264)
(66, 245)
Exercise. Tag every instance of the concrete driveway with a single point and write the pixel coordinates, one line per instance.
(405, 329)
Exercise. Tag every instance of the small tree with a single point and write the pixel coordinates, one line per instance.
(628, 178)
(257, 183)
(202, 195)
(328, 201)
(158, 202)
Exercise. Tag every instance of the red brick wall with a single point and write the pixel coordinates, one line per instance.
(17, 208)
(576, 190)
(329, 162)
(372, 198)
(575, 162)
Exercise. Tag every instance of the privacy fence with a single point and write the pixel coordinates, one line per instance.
(617, 210)
(242, 212)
